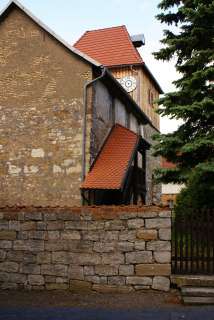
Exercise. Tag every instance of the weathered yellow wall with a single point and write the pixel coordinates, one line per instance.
(140, 94)
(41, 110)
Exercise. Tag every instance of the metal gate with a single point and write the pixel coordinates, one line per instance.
(193, 242)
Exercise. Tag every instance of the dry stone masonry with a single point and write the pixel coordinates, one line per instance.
(104, 249)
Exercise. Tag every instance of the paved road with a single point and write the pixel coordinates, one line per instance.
(188, 313)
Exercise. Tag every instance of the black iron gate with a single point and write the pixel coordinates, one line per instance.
(193, 242)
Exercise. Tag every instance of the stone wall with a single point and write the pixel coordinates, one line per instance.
(104, 249)
(41, 111)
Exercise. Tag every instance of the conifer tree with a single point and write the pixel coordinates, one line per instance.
(191, 43)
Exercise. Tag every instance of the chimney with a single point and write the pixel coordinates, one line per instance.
(138, 40)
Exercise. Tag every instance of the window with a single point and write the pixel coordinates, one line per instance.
(150, 97)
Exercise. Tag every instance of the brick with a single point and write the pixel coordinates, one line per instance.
(106, 270)
(55, 225)
(54, 270)
(79, 286)
(147, 214)
(139, 245)
(158, 245)
(129, 235)
(76, 225)
(113, 258)
(95, 225)
(135, 223)
(61, 280)
(35, 216)
(17, 278)
(117, 280)
(59, 245)
(146, 281)
(109, 235)
(114, 225)
(61, 257)
(165, 234)
(43, 257)
(139, 257)
(93, 279)
(162, 257)
(126, 270)
(153, 269)
(165, 214)
(104, 247)
(40, 235)
(75, 272)
(88, 270)
(36, 280)
(91, 235)
(147, 234)
(29, 225)
(5, 244)
(142, 287)
(125, 246)
(14, 225)
(52, 235)
(22, 235)
(50, 216)
(30, 268)
(29, 245)
(85, 258)
(2, 255)
(4, 225)
(104, 288)
(161, 283)
(9, 266)
(7, 235)
(41, 225)
(28, 257)
(71, 235)
(158, 223)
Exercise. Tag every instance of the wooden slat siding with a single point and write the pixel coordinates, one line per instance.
(193, 243)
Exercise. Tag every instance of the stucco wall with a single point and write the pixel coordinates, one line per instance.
(41, 108)
(106, 249)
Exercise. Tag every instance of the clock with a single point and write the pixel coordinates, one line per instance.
(129, 83)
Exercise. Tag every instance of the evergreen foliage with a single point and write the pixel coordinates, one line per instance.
(191, 146)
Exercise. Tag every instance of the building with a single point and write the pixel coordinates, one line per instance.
(60, 110)
(169, 190)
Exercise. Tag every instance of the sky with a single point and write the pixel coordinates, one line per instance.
(71, 18)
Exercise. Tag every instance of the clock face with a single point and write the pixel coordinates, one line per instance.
(129, 83)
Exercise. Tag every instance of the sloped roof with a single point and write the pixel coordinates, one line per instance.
(17, 4)
(111, 165)
(110, 46)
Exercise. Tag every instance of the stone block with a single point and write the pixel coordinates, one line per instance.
(30, 268)
(113, 258)
(61, 280)
(88, 270)
(158, 223)
(9, 286)
(76, 225)
(109, 235)
(61, 257)
(40, 235)
(125, 246)
(145, 234)
(7, 235)
(165, 214)
(29, 225)
(59, 245)
(14, 225)
(82, 246)
(75, 272)
(50, 216)
(4, 225)
(126, 269)
(52, 235)
(5, 244)
(93, 279)
(106, 270)
(139, 245)
(43, 257)
(55, 225)
(105, 288)
(153, 269)
(95, 225)
(129, 235)
(17, 278)
(36, 280)
(91, 235)
(162, 256)
(139, 257)
(158, 245)
(41, 225)
(165, 234)
(4, 276)
(35, 216)
(147, 214)
(117, 280)
(135, 223)
(22, 235)
(161, 283)
(146, 281)
(85, 258)
(54, 270)
(80, 286)
(142, 287)
(28, 257)
(2, 255)
(9, 266)
(104, 246)
(56, 286)
(70, 235)
(114, 225)
(29, 245)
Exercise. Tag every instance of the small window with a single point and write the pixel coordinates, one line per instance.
(150, 97)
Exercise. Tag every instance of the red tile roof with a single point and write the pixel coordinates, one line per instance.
(167, 165)
(109, 46)
(112, 162)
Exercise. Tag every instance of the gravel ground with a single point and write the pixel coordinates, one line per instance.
(43, 299)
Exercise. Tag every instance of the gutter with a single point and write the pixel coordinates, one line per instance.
(86, 86)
